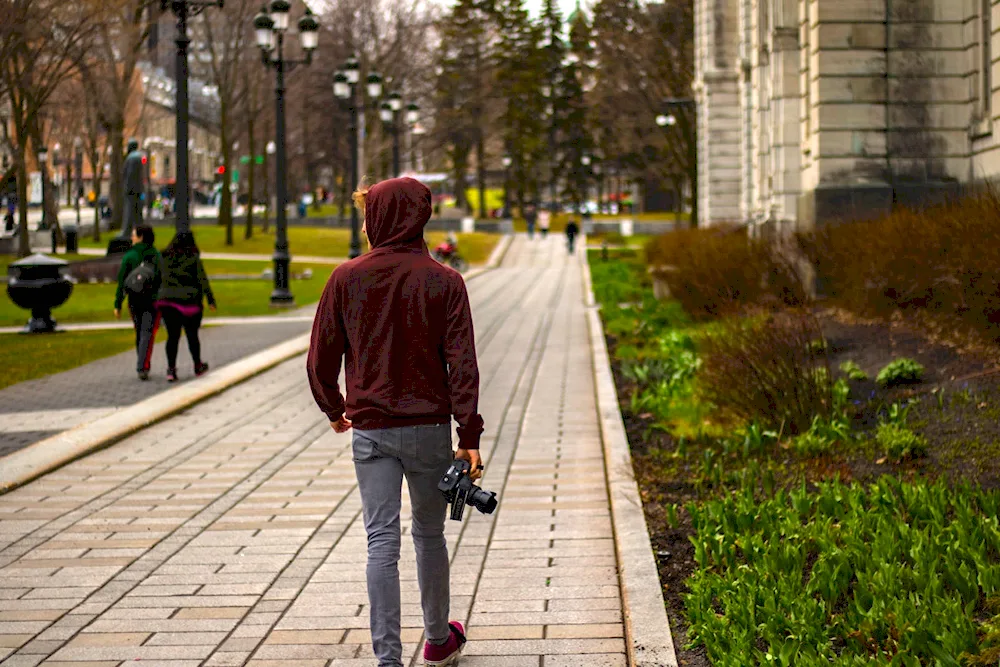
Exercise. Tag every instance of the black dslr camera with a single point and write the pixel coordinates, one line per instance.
(458, 488)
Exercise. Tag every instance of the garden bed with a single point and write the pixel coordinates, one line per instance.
(688, 459)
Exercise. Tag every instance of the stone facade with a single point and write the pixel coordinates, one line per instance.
(816, 110)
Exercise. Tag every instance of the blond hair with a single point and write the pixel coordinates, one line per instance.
(360, 194)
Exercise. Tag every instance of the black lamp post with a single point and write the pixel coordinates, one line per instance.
(43, 167)
(183, 10)
(78, 189)
(270, 28)
(390, 116)
(345, 85)
(507, 161)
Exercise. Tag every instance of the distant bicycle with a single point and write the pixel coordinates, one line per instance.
(447, 253)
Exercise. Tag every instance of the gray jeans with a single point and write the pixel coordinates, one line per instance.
(382, 458)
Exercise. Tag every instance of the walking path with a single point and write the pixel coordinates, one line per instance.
(208, 321)
(34, 410)
(231, 534)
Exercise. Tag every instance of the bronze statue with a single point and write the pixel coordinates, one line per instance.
(135, 188)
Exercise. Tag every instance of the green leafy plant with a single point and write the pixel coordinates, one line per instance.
(900, 443)
(900, 371)
(853, 371)
(888, 574)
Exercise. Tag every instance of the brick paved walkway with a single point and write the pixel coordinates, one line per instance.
(231, 534)
(96, 389)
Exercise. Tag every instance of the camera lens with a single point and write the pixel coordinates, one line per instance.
(482, 500)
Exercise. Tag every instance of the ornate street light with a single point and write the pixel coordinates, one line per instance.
(507, 161)
(345, 88)
(183, 10)
(666, 120)
(389, 113)
(269, 28)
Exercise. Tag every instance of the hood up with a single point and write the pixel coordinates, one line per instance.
(396, 212)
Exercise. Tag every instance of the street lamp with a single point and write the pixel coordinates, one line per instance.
(507, 161)
(270, 27)
(43, 157)
(78, 158)
(183, 10)
(666, 120)
(389, 113)
(345, 85)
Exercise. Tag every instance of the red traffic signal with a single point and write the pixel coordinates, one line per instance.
(221, 170)
(144, 159)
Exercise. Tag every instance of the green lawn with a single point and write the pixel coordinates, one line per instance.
(29, 357)
(94, 303)
(236, 267)
(310, 241)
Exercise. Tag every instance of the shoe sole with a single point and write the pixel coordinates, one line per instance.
(450, 661)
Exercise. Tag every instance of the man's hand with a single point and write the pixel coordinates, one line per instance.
(212, 307)
(342, 425)
(472, 456)
(118, 314)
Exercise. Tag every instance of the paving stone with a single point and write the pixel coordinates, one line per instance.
(230, 534)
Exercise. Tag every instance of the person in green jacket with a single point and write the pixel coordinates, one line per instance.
(141, 306)
(184, 289)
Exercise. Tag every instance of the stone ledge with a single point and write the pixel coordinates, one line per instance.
(648, 639)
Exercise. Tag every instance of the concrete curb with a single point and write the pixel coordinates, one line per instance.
(46, 455)
(496, 257)
(647, 629)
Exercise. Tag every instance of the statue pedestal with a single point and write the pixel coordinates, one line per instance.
(119, 245)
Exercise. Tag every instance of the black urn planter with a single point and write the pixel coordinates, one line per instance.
(39, 284)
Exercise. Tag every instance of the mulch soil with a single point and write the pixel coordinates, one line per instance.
(956, 407)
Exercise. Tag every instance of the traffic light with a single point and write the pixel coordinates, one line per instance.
(221, 170)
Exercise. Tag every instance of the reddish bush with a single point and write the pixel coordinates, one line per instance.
(718, 271)
(767, 369)
(940, 265)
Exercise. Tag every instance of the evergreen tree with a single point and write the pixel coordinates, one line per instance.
(553, 52)
(576, 140)
(520, 77)
(460, 94)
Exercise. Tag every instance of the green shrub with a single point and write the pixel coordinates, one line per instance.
(719, 271)
(762, 370)
(889, 574)
(900, 443)
(900, 371)
(853, 371)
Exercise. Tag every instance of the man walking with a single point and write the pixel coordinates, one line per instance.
(403, 324)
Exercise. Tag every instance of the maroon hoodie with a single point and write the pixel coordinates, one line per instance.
(403, 325)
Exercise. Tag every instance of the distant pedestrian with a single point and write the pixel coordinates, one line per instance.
(531, 217)
(544, 222)
(183, 290)
(572, 230)
(139, 278)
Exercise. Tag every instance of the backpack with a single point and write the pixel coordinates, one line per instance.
(139, 282)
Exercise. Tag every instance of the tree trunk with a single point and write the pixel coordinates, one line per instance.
(117, 195)
(95, 184)
(248, 232)
(226, 196)
(267, 190)
(24, 242)
(344, 194)
(481, 172)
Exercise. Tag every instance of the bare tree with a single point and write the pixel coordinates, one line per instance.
(228, 43)
(41, 43)
(108, 65)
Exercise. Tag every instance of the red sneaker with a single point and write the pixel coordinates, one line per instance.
(448, 653)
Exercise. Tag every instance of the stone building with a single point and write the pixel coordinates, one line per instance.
(816, 110)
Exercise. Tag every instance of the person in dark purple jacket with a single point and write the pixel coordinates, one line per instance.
(402, 324)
